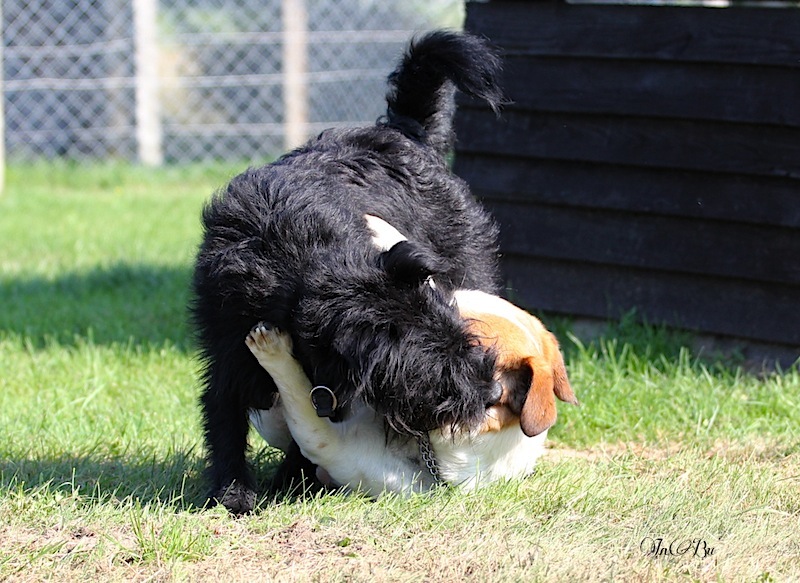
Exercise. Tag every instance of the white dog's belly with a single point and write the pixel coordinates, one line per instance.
(271, 426)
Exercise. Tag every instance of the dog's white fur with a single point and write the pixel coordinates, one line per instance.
(384, 235)
(271, 425)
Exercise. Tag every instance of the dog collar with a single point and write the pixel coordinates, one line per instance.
(324, 401)
(426, 453)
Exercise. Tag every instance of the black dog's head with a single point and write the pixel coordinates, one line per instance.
(379, 328)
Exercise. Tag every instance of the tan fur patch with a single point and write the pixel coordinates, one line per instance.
(525, 350)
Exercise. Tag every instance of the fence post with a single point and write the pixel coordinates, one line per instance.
(148, 114)
(295, 64)
(2, 107)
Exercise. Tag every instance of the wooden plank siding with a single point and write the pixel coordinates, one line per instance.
(649, 160)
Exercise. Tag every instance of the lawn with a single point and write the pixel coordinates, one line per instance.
(101, 454)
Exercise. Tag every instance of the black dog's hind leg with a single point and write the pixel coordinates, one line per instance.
(226, 403)
(226, 427)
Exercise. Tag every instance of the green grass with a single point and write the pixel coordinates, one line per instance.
(101, 456)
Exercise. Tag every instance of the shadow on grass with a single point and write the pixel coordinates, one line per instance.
(175, 481)
(121, 303)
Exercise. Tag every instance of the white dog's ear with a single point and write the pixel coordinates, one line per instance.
(384, 235)
(549, 380)
(403, 260)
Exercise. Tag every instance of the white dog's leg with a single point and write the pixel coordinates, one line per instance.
(273, 350)
(354, 452)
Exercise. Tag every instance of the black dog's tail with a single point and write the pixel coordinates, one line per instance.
(420, 97)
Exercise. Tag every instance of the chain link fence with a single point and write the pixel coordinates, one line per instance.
(176, 81)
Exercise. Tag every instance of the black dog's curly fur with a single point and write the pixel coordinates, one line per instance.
(288, 244)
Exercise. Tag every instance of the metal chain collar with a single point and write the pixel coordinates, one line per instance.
(426, 452)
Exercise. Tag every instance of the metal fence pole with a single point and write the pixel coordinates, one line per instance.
(295, 65)
(148, 110)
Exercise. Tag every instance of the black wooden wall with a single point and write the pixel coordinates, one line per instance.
(650, 160)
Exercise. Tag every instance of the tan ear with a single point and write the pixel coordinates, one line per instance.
(549, 381)
(561, 386)
(539, 410)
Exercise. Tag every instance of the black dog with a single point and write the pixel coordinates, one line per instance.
(289, 244)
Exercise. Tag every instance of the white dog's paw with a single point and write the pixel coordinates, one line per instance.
(265, 341)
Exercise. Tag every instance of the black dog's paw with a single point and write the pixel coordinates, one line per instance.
(236, 497)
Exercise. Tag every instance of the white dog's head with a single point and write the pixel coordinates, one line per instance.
(532, 374)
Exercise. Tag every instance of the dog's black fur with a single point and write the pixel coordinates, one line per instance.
(288, 244)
